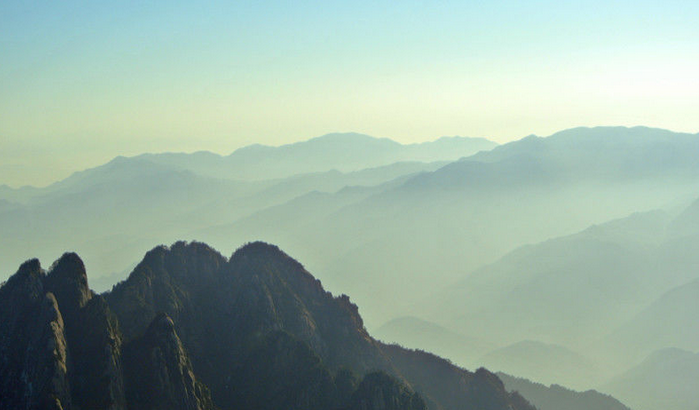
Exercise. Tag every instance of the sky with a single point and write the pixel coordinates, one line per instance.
(84, 81)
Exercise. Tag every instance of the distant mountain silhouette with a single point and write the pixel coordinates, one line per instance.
(574, 155)
(138, 193)
(568, 290)
(531, 240)
(614, 292)
(472, 212)
(420, 334)
(665, 379)
(190, 329)
(345, 152)
(542, 362)
(556, 397)
(667, 322)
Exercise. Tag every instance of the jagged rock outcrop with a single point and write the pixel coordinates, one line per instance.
(238, 307)
(60, 345)
(379, 391)
(158, 372)
(67, 280)
(190, 329)
(95, 349)
(33, 347)
(92, 332)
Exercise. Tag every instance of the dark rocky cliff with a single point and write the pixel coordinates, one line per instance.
(190, 329)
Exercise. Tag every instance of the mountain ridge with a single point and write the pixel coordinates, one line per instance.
(233, 325)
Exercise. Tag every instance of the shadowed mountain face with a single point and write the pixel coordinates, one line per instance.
(63, 360)
(158, 373)
(190, 329)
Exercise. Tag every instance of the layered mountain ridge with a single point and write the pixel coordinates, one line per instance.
(191, 329)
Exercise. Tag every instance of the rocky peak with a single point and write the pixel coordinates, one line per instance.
(26, 285)
(29, 267)
(33, 346)
(67, 280)
(261, 331)
(262, 264)
(261, 254)
(189, 263)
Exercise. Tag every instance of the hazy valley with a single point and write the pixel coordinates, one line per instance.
(569, 260)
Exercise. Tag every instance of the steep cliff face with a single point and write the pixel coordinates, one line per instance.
(95, 344)
(227, 312)
(93, 337)
(380, 391)
(33, 347)
(257, 329)
(262, 300)
(158, 372)
(67, 280)
(60, 345)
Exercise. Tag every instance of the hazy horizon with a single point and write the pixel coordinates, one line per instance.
(83, 83)
(57, 175)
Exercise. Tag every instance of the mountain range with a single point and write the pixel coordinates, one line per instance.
(613, 293)
(344, 152)
(472, 212)
(664, 379)
(567, 259)
(556, 397)
(192, 329)
(172, 195)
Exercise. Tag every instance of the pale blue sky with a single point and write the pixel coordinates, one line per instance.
(81, 82)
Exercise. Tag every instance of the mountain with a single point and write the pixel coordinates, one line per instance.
(600, 151)
(664, 380)
(555, 397)
(150, 202)
(7, 205)
(448, 221)
(18, 195)
(667, 322)
(158, 373)
(614, 292)
(577, 155)
(191, 329)
(568, 290)
(345, 152)
(421, 334)
(543, 362)
(72, 356)
(471, 212)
